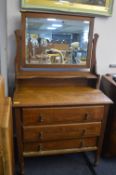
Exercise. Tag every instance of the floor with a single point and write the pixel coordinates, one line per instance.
(106, 166)
(70, 164)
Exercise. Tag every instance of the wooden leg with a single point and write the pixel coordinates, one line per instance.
(100, 139)
(19, 140)
(89, 161)
(97, 158)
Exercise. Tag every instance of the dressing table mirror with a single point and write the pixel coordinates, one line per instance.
(57, 107)
(51, 40)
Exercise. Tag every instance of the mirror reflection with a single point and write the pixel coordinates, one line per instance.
(56, 41)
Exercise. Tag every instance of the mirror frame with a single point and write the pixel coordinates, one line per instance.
(59, 16)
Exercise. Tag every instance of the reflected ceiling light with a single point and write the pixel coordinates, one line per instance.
(57, 25)
(61, 2)
(64, 1)
(51, 19)
(51, 28)
(86, 22)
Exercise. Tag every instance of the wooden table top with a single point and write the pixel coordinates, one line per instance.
(57, 96)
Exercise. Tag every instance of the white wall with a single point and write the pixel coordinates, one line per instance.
(106, 48)
(3, 42)
(104, 26)
(13, 23)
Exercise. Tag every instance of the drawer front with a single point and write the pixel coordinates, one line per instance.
(58, 132)
(37, 116)
(60, 145)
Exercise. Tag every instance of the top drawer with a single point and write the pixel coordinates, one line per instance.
(37, 116)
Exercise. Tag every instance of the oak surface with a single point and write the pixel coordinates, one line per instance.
(34, 95)
(6, 133)
(59, 115)
(6, 137)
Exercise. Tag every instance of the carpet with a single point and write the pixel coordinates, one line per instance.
(106, 166)
(69, 164)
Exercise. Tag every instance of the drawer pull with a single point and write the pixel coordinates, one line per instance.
(39, 147)
(83, 132)
(87, 116)
(81, 143)
(40, 119)
(40, 135)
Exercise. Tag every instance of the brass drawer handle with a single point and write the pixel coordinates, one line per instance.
(40, 147)
(40, 119)
(87, 116)
(41, 135)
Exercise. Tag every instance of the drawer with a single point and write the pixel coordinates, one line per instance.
(37, 116)
(60, 145)
(59, 132)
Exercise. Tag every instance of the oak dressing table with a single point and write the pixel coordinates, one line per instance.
(58, 108)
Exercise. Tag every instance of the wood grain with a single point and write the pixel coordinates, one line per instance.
(61, 132)
(58, 96)
(6, 137)
(68, 144)
(41, 116)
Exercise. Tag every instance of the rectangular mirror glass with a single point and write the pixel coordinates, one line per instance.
(51, 39)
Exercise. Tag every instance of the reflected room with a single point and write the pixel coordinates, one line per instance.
(56, 41)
